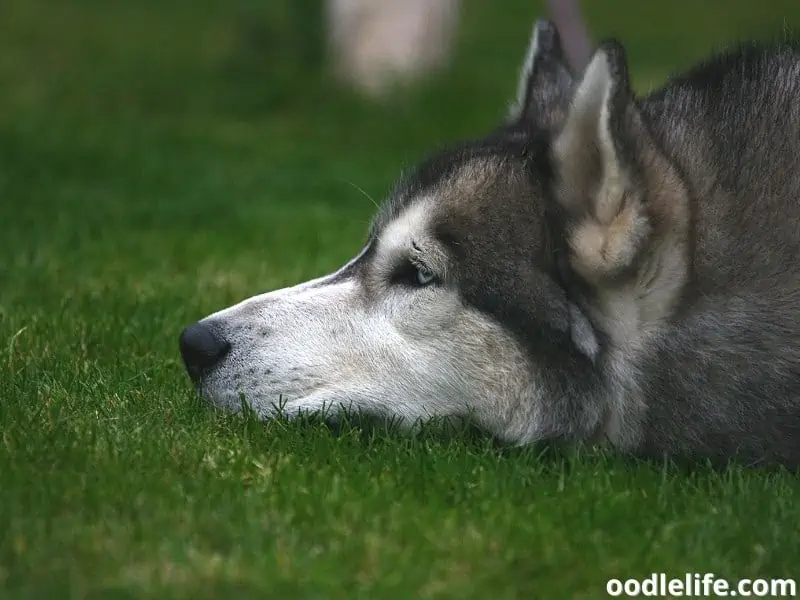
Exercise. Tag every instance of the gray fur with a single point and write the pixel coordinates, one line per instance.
(608, 269)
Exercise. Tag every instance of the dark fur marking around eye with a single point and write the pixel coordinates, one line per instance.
(405, 274)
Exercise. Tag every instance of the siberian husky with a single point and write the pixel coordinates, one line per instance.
(602, 268)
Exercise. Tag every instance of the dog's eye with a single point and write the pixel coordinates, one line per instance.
(424, 276)
(414, 275)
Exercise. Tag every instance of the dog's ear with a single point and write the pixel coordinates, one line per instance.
(545, 81)
(595, 158)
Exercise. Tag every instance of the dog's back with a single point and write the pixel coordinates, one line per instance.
(730, 361)
(733, 126)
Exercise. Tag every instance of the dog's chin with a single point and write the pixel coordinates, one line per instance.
(337, 413)
(317, 402)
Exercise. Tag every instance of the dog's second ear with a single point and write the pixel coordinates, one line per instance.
(596, 157)
(545, 82)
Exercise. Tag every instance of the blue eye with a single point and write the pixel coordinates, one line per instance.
(413, 275)
(424, 276)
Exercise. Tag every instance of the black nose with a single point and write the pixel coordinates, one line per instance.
(202, 347)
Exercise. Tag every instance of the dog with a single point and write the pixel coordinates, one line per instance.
(601, 269)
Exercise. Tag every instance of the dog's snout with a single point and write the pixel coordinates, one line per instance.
(202, 347)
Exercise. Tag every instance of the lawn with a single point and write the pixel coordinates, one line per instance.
(161, 160)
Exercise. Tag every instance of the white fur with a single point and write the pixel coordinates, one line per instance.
(590, 108)
(593, 92)
(525, 73)
(362, 343)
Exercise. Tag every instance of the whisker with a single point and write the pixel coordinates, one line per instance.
(371, 199)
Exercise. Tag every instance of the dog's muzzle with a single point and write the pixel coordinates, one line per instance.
(202, 347)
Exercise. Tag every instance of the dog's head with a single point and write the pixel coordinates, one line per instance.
(458, 305)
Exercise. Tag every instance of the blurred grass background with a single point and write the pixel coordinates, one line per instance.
(161, 159)
(183, 61)
(230, 104)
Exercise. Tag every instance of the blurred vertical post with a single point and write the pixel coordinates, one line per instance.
(566, 14)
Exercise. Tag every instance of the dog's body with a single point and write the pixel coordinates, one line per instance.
(600, 269)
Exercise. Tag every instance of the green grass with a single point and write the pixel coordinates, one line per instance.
(161, 160)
